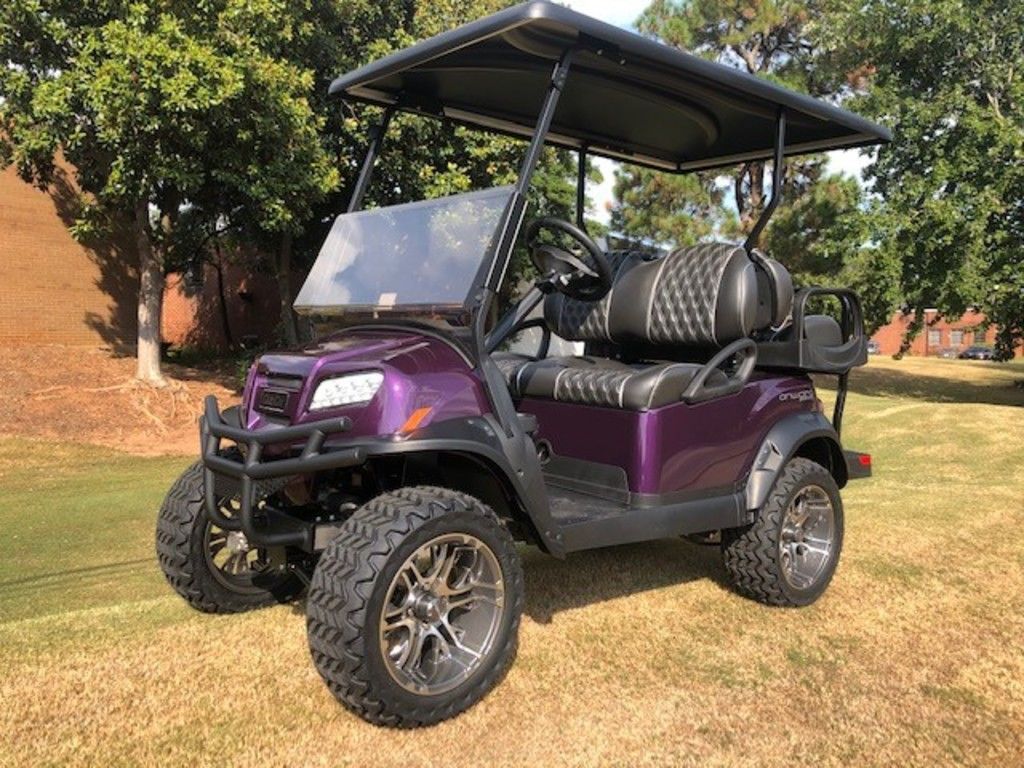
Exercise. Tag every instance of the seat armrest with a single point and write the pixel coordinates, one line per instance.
(545, 339)
(697, 390)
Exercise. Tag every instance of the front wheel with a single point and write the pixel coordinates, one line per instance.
(414, 607)
(788, 555)
(216, 571)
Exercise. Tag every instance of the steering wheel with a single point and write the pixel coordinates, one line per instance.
(573, 276)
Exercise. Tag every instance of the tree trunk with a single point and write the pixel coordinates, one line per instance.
(748, 187)
(151, 297)
(284, 288)
(222, 299)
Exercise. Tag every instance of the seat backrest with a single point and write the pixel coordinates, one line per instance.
(706, 295)
(703, 295)
(589, 320)
(774, 292)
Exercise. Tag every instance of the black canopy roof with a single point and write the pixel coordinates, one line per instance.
(627, 97)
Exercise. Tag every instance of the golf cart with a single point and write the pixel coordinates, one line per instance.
(388, 468)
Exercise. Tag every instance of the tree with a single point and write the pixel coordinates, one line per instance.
(315, 44)
(819, 228)
(159, 107)
(947, 76)
(427, 158)
(663, 208)
(815, 229)
(210, 121)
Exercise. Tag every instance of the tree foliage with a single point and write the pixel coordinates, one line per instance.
(769, 38)
(159, 106)
(947, 76)
(206, 121)
(660, 208)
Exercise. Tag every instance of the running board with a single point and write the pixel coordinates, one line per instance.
(586, 523)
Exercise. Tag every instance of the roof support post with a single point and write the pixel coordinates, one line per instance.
(512, 220)
(581, 189)
(504, 241)
(372, 150)
(778, 172)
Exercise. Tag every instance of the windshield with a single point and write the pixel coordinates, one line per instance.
(417, 256)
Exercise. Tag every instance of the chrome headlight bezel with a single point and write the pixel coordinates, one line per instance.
(346, 389)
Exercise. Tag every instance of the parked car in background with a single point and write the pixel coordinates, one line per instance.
(976, 353)
(948, 353)
(874, 348)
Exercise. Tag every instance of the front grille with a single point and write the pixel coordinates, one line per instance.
(277, 392)
(273, 401)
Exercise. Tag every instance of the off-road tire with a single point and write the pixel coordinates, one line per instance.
(180, 542)
(751, 554)
(348, 592)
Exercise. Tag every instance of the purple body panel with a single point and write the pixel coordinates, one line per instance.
(679, 447)
(419, 371)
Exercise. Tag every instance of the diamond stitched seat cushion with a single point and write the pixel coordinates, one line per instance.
(603, 382)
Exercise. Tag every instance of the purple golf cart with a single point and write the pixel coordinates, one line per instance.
(388, 469)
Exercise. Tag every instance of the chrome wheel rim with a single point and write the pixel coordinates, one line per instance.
(232, 561)
(808, 537)
(442, 613)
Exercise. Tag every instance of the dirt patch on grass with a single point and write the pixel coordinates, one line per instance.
(88, 395)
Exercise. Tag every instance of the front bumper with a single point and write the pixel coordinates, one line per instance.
(249, 475)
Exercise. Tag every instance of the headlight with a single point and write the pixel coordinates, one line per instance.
(346, 390)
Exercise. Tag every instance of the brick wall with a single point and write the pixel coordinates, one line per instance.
(55, 290)
(192, 314)
(52, 288)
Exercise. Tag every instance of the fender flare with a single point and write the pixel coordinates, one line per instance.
(481, 438)
(810, 431)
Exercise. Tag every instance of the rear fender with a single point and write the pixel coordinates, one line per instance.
(809, 435)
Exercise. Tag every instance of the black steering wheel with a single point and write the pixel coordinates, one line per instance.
(572, 275)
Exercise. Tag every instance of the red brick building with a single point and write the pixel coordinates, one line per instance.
(940, 335)
(55, 290)
(192, 314)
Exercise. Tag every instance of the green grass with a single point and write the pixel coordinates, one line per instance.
(78, 525)
(636, 655)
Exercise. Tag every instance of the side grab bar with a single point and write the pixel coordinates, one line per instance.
(697, 390)
(852, 320)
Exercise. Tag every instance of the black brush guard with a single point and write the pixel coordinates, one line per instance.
(267, 527)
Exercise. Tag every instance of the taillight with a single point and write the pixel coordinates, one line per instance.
(865, 460)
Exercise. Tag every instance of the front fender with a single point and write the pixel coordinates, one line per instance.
(516, 465)
(784, 441)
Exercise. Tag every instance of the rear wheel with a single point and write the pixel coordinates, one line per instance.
(414, 608)
(788, 555)
(216, 571)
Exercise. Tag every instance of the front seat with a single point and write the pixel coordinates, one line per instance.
(699, 298)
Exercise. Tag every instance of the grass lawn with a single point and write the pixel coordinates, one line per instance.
(636, 655)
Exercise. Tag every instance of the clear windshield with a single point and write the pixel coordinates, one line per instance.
(416, 256)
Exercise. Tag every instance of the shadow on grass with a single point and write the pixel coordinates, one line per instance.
(585, 578)
(72, 576)
(1003, 388)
